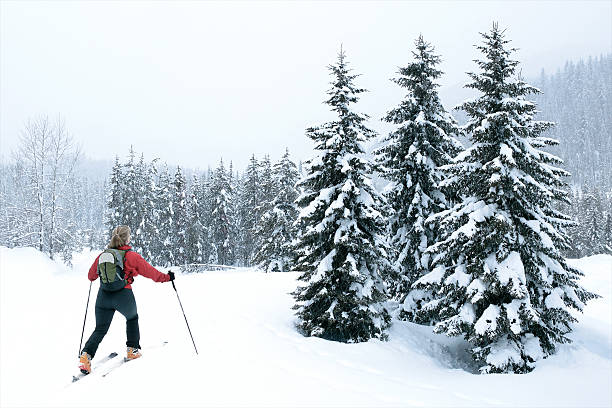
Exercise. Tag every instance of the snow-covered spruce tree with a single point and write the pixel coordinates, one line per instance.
(140, 183)
(179, 243)
(115, 196)
(268, 188)
(267, 192)
(338, 248)
(247, 203)
(234, 184)
(607, 232)
(574, 231)
(498, 274)
(164, 204)
(148, 230)
(221, 221)
(207, 200)
(130, 210)
(196, 230)
(275, 227)
(410, 156)
(592, 222)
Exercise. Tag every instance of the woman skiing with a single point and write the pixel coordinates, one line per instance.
(117, 267)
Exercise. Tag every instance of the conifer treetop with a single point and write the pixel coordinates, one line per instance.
(346, 133)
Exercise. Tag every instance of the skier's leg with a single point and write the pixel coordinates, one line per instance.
(104, 317)
(126, 305)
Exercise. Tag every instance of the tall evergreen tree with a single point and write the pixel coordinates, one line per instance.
(221, 222)
(196, 232)
(247, 215)
(275, 227)
(207, 212)
(165, 209)
(575, 230)
(148, 229)
(131, 199)
(114, 200)
(267, 187)
(179, 235)
(410, 156)
(266, 193)
(233, 184)
(592, 223)
(338, 247)
(607, 233)
(141, 185)
(498, 274)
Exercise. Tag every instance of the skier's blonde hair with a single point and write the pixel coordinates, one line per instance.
(120, 236)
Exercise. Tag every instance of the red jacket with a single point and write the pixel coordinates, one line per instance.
(133, 265)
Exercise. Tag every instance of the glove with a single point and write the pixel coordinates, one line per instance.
(171, 275)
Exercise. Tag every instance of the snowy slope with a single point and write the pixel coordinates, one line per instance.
(250, 353)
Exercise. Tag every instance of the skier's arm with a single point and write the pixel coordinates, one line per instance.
(145, 269)
(93, 271)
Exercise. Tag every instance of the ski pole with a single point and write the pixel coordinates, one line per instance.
(85, 319)
(179, 299)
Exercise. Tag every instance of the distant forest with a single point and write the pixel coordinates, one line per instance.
(578, 99)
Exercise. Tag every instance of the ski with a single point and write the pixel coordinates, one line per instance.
(112, 355)
(125, 360)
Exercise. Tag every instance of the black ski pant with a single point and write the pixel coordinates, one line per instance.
(122, 301)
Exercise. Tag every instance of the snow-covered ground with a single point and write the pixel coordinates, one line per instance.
(250, 353)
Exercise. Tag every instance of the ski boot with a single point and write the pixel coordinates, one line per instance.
(85, 363)
(132, 354)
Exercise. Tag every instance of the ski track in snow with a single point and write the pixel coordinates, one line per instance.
(251, 355)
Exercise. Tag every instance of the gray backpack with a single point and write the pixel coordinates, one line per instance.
(110, 270)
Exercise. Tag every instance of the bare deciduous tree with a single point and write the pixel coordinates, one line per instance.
(44, 165)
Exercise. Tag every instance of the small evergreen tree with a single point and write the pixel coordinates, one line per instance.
(498, 274)
(338, 247)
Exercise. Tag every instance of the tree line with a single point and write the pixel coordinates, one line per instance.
(218, 217)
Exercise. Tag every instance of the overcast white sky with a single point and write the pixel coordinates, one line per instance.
(190, 82)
